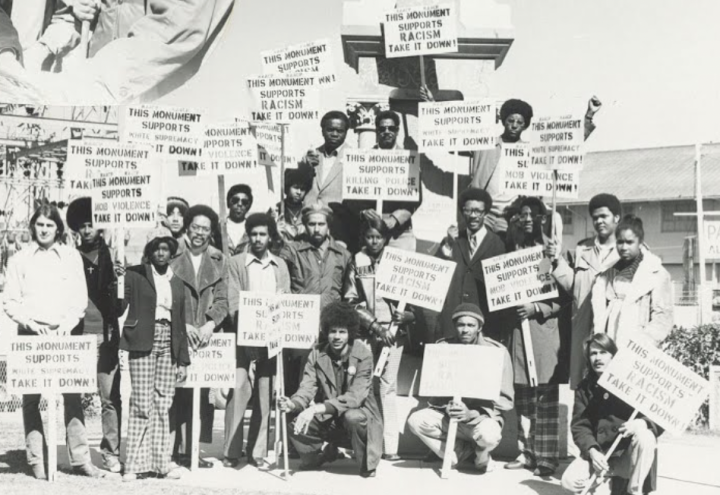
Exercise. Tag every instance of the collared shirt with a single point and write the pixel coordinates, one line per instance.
(261, 274)
(603, 250)
(196, 260)
(235, 231)
(479, 236)
(163, 306)
(328, 160)
(47, 286)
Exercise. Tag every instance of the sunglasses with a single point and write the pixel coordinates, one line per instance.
(243, 201)
(388, 128)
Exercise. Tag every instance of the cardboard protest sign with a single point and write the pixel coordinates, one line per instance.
(557, 143)
(175, 132)
(227, 149)
(314, 56)
(93, 158)
(414, 278)
(457, 125)
(269, 143)
(519, 277)
(711, 246)
(286, 320)
(657, 385)
(284, 97)
(520, 176)
(457, 370)
(390, 175)
(423, 30)
(43, 364)
(125, 201)
(214, 365)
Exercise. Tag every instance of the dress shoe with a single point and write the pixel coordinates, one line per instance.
(521, 462)
(112, 464)
(391, 457)
(368, 474)
(39, 471)
(229, 462)
(543, 471)
(203, 464)
(88, 470)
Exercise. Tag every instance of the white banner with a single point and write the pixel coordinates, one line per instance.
(457, 125)
(390, 175)
(284, 98)
(557, 142)
(521, 176)
(314, 56)
(41, 364)
(517, 278)
(175, 132)
(214, 365)
(229, 149)
(424, 30)
(127, 201)
(269, 143)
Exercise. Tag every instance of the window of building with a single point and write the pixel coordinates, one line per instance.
(673, 223)
(567, 220)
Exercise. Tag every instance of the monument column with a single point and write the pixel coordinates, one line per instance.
(362, 112)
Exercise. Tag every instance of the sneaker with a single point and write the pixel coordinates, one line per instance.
(175, 474)
(39, 471)
(391, 457)
(112, 464)
(88, 470)
(368, 474)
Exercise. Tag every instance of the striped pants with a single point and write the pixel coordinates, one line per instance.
(152, 376)
(387, 391)
(538, 412)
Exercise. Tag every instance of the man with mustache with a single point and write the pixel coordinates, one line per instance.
(234, 236)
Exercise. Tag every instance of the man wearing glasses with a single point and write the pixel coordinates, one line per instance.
(472, 245)
(203, 270)
(239, 201)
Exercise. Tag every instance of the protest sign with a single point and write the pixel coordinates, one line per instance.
(214, 365)
(557, 143)
(43, 364)
(519, 277)
(457, 125)
(423, 30)
(519, 176)
(175, 132)
(269, 142)
(390, 175)
(228, 149)
(274, 335)
(93, 158)
(413, 278)
(711, 246)
(125, 201)
(297, 320)
(654, 383)
(284, 97)
(470, 371)
(314, 56)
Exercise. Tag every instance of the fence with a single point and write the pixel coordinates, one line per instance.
(9, 402)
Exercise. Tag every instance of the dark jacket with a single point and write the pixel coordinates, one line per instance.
(139, 327)
(597, 415)
(104, 294)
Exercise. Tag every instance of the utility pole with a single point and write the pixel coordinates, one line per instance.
(701, 232)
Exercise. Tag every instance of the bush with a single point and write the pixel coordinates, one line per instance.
(697, 348)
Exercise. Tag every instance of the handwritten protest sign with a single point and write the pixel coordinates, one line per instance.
(214, 365)
(285, 97)
(297, 320)
(517, 278)
(711, 246)
(88, 159)
(227, 149)
(125, 201)
(43, 364)
(391, 175)
(520, 176)
(414, 278)
(457, 125)
(175, 132)
(269, 142)
(470, 371)
(657, 385)
(424, 30)
(557, 143)
(314, 56)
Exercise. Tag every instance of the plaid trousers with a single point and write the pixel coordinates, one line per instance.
(152, 376)
(538, 412)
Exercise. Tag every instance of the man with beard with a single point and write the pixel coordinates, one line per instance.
(256, 270)
(538, 406)
(234, 236)
(101, 319)
(203, 270)
(577, 274)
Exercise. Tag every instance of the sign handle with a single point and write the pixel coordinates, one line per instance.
(195, 445)
(283, 421)
(422, 71)
(121, 257)
(529, 353)
(85, 39)
(282, 170)
(554, 204)
(449, 445)
(223, 213)
(51, 437)
(278, 393)
(607, 456)
(379, 207)
(455, 176)
(385, 353)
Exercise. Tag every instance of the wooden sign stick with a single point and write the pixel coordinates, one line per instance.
(85, 39)
(422, 71)
(529, 352)
(278, 393)
(195, 441)
(121, 257)
(51, 437)
(385, 353)
(282, 170)
(449, 445)
(283, 421)
(223, 214)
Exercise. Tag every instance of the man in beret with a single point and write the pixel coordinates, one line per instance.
(203, 270)
(473, 245)
(101, 319)
(239, 200)
(577, 274)
(480, 422)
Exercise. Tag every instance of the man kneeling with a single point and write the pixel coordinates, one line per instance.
(479, 421)
(339, 374)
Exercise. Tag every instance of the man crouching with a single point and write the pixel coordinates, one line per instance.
(479, 421)
(339, 373)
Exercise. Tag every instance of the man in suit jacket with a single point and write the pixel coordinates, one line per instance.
(203, 270)
(335, 399)
(471, 247)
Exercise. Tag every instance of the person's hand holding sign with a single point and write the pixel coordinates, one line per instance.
(599, 463)
(181, 374)
(551, 249)
(84, 10)
(458, 410)
(526, 311)
(205, 333)
(632, 428)
(285, 404)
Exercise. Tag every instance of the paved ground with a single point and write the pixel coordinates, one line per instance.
(688, 465)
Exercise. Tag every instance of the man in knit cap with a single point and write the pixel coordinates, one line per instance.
(480, 422)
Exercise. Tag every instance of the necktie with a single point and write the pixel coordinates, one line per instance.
(473, 245)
